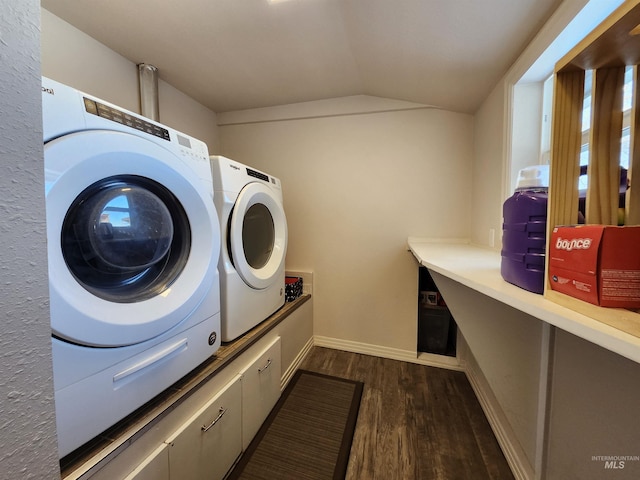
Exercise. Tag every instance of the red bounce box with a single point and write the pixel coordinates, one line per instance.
(596, 263)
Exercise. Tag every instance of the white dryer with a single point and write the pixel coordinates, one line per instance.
(253, 229)
(133, 247)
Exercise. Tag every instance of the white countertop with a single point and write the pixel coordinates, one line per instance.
(479, 268)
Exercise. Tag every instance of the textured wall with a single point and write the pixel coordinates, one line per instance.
(28, 447)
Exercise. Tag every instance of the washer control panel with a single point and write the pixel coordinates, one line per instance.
(115, 115)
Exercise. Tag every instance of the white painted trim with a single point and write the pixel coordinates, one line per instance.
(286, 377)
(513, 451)
(507, 142)
(569, 24)
(547, 351)
(441, 361)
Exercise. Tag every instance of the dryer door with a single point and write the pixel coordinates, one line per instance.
(258, 235)
(133, 238)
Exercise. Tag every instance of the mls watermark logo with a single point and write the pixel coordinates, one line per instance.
(615, 462)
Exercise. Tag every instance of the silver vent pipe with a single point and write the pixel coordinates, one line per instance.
(149, 106)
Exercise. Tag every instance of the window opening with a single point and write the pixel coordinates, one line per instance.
(624, 159)
(583, 182)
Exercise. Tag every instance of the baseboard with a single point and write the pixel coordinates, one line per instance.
(513, 452)
(440, 361)
(286, 377)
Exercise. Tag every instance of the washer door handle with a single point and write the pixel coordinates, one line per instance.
(151, 360)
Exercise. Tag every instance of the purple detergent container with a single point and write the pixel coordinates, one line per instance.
(524, 230)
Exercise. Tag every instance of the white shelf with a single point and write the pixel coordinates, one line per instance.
(479, 269)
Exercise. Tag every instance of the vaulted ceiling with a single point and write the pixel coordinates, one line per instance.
(240, 54)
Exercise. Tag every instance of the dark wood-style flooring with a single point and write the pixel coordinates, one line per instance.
(415, 422)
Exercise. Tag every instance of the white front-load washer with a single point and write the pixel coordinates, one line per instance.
(133, 248)
(253, 230)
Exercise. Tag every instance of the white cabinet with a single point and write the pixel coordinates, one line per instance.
(154, 467)
(260, 389)
(208, 443)
(244, 381)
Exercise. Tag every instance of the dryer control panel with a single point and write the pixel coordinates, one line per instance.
(256, 174)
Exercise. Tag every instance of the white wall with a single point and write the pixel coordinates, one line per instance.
(355, 186)
(526, 130)
(28, 447)
(73, 58)
(594, 412)
(489, 148)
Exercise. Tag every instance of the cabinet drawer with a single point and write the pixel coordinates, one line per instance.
(207, 445)
(154, 467)
(260, 389)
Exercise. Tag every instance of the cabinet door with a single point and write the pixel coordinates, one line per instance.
(207, 445)
(154, 467)
(260, 390)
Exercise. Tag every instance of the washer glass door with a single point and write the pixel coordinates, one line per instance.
(258, 235)
(126, 238)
